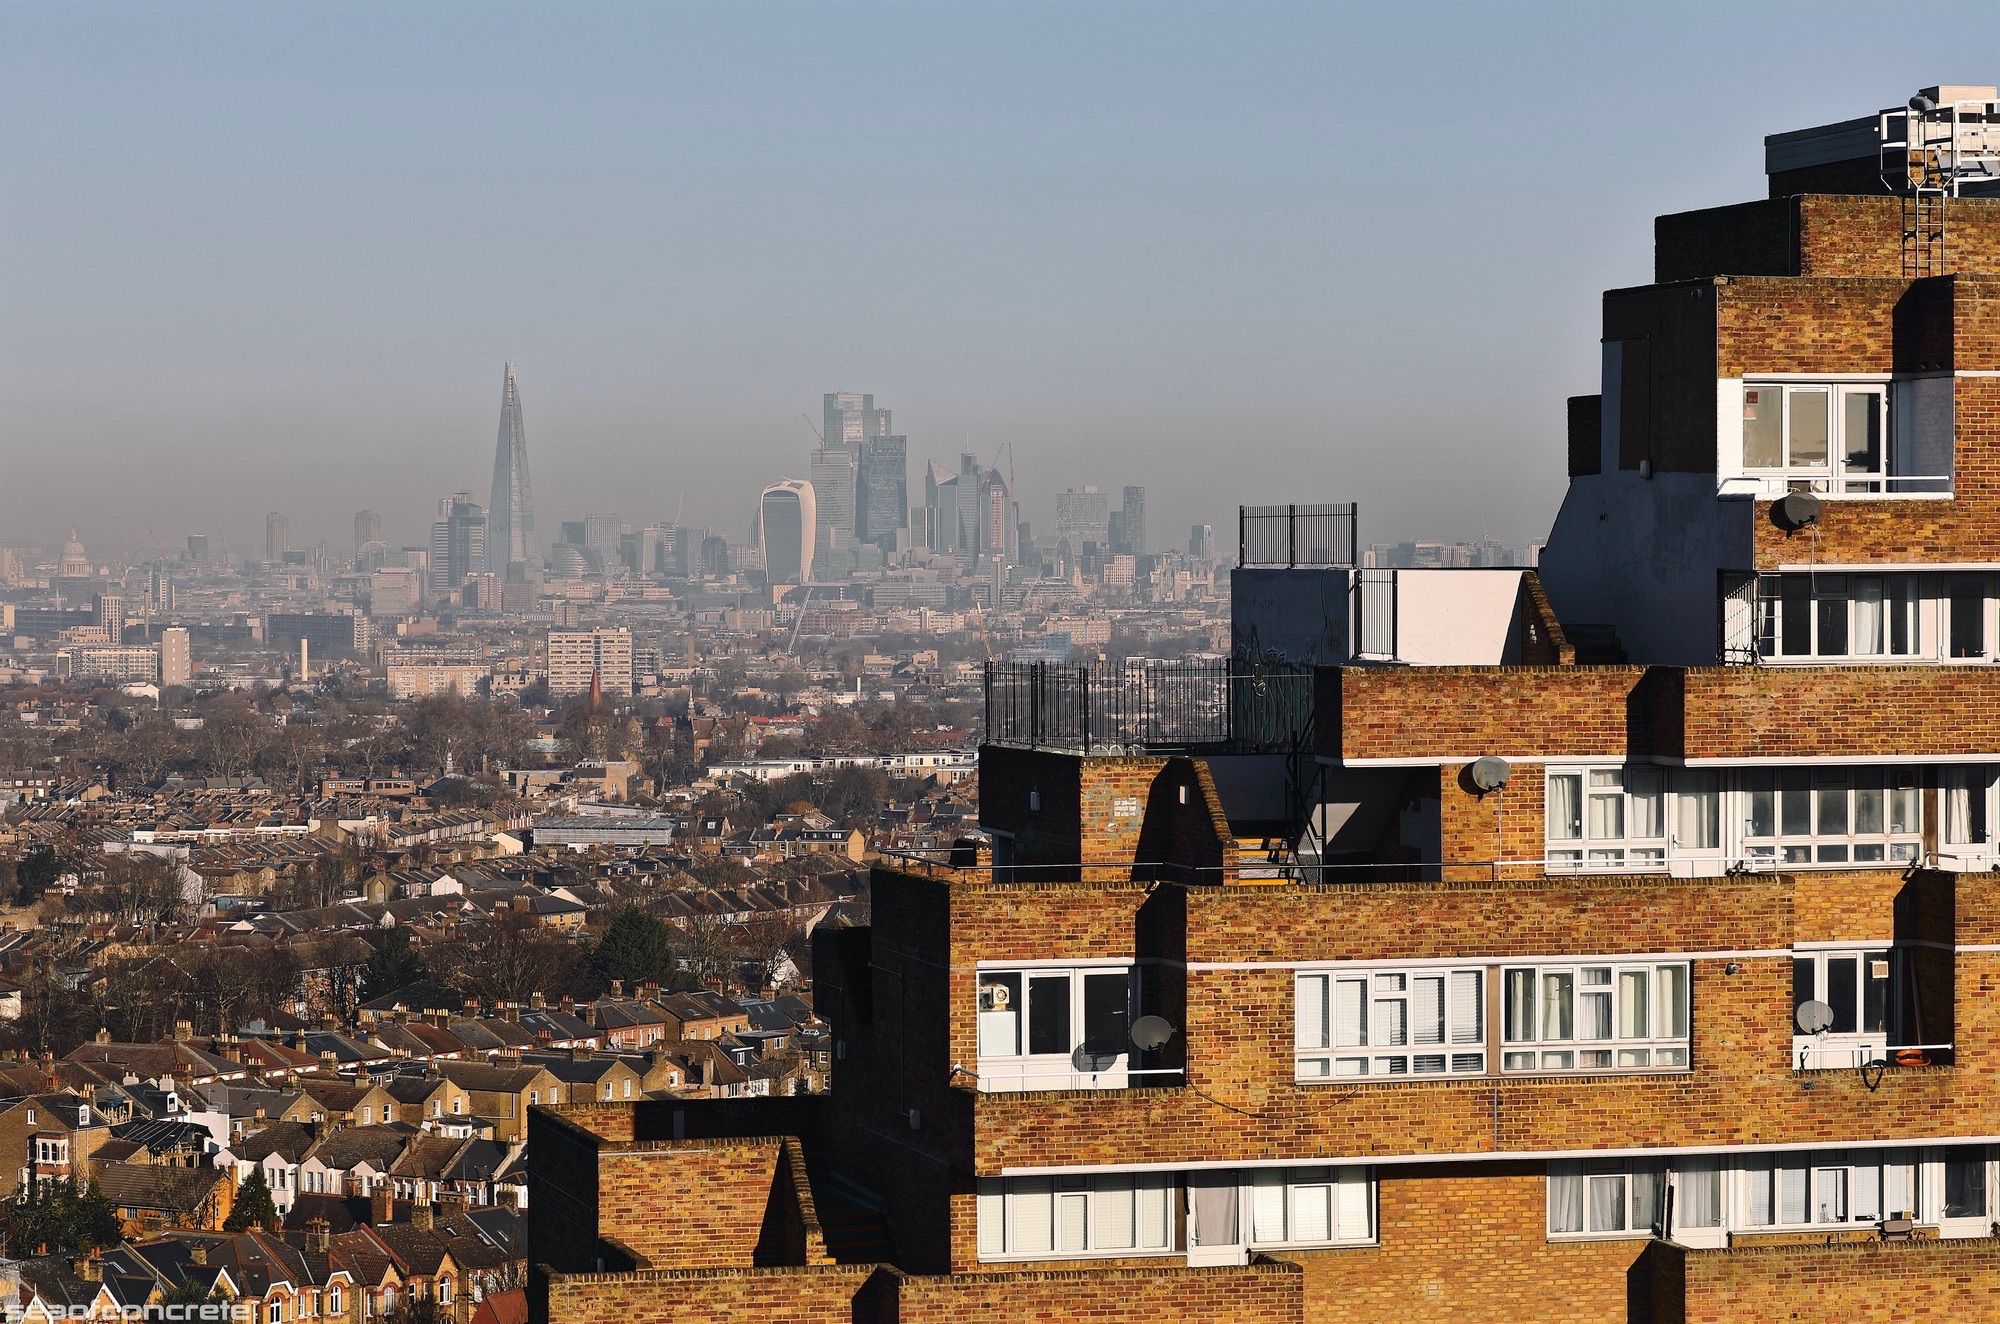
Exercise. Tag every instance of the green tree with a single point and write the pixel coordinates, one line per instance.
(393, 964)
(636, 947)
(254, 1207)
(69, 1220)
(94, 1219)
(35, 875)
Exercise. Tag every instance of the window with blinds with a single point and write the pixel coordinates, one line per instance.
(1066, 1217)
(1311, 1207)
(1416, 1022)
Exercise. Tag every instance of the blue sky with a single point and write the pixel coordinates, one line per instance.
(264, 256)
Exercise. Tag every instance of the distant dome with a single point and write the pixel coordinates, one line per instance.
(75, 561)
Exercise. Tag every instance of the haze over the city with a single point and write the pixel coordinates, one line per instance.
(272, 257)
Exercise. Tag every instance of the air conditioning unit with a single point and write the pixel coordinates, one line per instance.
(995, 997)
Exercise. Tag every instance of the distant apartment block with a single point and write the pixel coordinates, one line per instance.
(110, 662)
(421, 681)
(176, 660)
(395, 592)
(576, 658)
(327, 633)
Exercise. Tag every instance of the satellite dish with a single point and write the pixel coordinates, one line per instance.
(1090, 1061)
(1814, 1017)
(1799, 510)
(1150, 1033)
(1489, 774)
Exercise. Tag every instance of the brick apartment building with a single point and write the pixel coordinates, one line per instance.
(1613, 943)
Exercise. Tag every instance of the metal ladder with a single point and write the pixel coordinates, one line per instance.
(1924, 250)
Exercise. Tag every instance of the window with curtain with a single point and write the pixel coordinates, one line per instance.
(1698, 1192)
(1965, 1184)
(1595, 1016)
(1413, 1022)
(1843, 615)
(1605, 1197)
(1606, 818)
(1062, 1217)
(1967, 796)
(1833, 816)
(1827, 1188)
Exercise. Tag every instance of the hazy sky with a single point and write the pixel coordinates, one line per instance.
(260, 256)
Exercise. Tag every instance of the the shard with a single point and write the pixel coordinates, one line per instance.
(510, 517)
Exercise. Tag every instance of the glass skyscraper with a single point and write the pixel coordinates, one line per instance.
(510, 517)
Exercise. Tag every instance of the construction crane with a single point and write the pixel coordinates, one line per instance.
(1008, 447)
(815, 430)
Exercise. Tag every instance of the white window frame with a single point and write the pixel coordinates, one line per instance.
(1822, 844)
(1286, 1196)
(51, 1149)
(1000, 1071)
(1667, 1045)
(1832, 477)
(1826, 1178)
(1914, 1180)
(1814, 978)
(1382, 1042)
(1966, 816)
(1903, 597)
(1597, 1176)
(1980, 609)
(1581, 842)
(1010, 1208)
(1573, 833)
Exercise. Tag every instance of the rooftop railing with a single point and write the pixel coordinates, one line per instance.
(1291, 536)
(1224, 707)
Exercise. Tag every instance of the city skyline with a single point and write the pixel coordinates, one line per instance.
(675, 333)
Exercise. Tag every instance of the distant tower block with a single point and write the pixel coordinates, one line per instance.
(510, 515)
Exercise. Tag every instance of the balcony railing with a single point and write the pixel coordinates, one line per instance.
(1228, 707)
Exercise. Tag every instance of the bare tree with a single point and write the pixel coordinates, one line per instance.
(147, 750)
(231, 735)
(506, 959)
(706, 951)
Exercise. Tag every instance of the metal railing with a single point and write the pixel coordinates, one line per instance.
(1375, 613)
(1224, 706)
(1297, 535)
